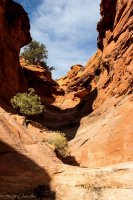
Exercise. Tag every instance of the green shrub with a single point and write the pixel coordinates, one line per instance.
(60, 144)
(28, 103)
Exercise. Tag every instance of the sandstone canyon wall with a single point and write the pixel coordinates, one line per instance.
(110, 70)
(14, 34)
(106, 135)
(93, 104)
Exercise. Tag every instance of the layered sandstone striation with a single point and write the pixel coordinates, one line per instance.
(107, 132)
(29, 167)
(115, 41)
(105, 136)
(76, 85)
(40, 79)
(110, 70)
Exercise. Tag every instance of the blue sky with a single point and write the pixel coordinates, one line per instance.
(67, 28)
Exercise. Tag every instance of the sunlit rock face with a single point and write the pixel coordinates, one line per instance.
(111, 68)
(29, 167)
(105, 137)
(115, 41)
(14, 34)
(76, 85)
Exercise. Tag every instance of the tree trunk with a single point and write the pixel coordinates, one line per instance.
(25, 122)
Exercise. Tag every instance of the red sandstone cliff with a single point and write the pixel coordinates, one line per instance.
(102, 89)
(106, 136)
(14, 34)
(116, 42)
(111, 68)
(41, 80)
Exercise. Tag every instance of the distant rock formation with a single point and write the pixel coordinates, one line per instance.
(76, 86)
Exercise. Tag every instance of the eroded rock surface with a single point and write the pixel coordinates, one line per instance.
(40, 79)
(28, 164)
(110, 125)
(105, 136)
(110, 70)
(102, 141)
(14, 34)
(76, 85)
(115, 41)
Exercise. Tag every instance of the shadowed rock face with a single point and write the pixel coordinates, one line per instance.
(14, 34)
(108, 12)
(40, 79)
(24, 162)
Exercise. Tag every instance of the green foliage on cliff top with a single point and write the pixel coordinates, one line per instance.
(35, 52)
